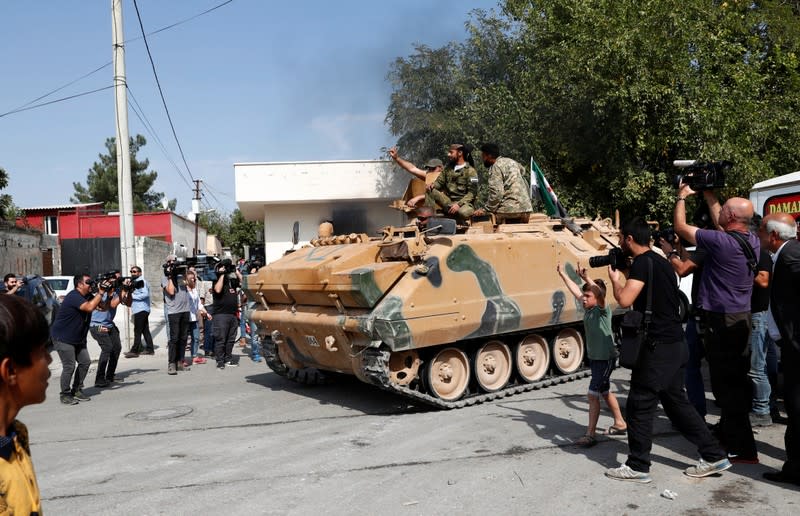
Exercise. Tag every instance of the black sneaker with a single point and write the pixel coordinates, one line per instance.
(777, 418)
(80, 396)
(231, 363)
(220, 367)
(67, 399)
(100, 384)
(148, 352)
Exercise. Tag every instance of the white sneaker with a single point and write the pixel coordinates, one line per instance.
(704, 469)
(627, 474)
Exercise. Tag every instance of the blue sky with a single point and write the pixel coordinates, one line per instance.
(255, 80)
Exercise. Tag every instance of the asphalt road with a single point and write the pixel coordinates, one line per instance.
(246, 441)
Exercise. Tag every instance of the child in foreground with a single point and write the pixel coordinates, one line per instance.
(24, 361)
(600, 351)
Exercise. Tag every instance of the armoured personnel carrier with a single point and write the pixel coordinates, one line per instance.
(446, 319)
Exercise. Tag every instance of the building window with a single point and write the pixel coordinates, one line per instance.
(51, 225)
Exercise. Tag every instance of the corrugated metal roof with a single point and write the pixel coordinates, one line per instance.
(62, 206)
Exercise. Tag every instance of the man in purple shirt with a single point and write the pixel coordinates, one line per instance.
(724, 300)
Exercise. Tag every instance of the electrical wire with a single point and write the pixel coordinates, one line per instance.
(162, 29)
(62, 99)
(140, 114)
(229, 196)
(160, 91)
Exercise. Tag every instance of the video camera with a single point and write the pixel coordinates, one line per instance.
(133, 285)
(615, 258)
(227, 269)
(668, 234)
(109, 279)
(254, 263)
(702, 175)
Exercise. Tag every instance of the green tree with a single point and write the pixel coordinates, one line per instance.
(101, 183)
(215, 223)
(241, 232)
(7, 208)
(605, 94)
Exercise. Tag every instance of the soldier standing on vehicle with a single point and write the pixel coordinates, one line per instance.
(457, 186)
(417, 190)
(509, 193)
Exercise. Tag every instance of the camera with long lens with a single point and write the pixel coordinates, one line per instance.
(702, 175)
(615, 258)
(133, 285)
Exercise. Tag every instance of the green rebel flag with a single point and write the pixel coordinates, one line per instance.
(541, 188)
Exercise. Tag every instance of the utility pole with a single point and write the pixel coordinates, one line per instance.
(124, 188)
(196, 210)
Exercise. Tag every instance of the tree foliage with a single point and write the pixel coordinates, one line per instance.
(6, 205)
(605, 94)
(101, 183)
(241, 232)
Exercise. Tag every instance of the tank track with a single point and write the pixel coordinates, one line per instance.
(375, 367)
(305, 376)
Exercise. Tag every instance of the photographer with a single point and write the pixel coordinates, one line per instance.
(659, 371)
(178, 305)
(141, 315)
(69, 336)
(226, 304)
(103, 329)
(723, 299)
(11, 284)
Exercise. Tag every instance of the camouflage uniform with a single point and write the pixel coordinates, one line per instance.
(456, 187)
(509, 193)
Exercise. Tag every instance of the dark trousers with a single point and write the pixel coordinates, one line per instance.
(727, 343)
(659, 377)
(225, 328)
(110, 348)
(69, 355)
(695, 388)
(790, 359)
(178, 335)
(208, 336)
(141, 328)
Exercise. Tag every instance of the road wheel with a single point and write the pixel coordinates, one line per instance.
(492, 366)
(448, 374)
(568, 350)
(403, 367)
(532, 358)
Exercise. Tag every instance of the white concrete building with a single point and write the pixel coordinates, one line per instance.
(354, 195)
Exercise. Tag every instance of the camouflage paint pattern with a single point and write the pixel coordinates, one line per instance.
(333, 301)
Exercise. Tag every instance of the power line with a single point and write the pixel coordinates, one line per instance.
(140, 114)
(62, 99)
(161, 146)
(229, 196)
(162, 29)
(160, 91)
